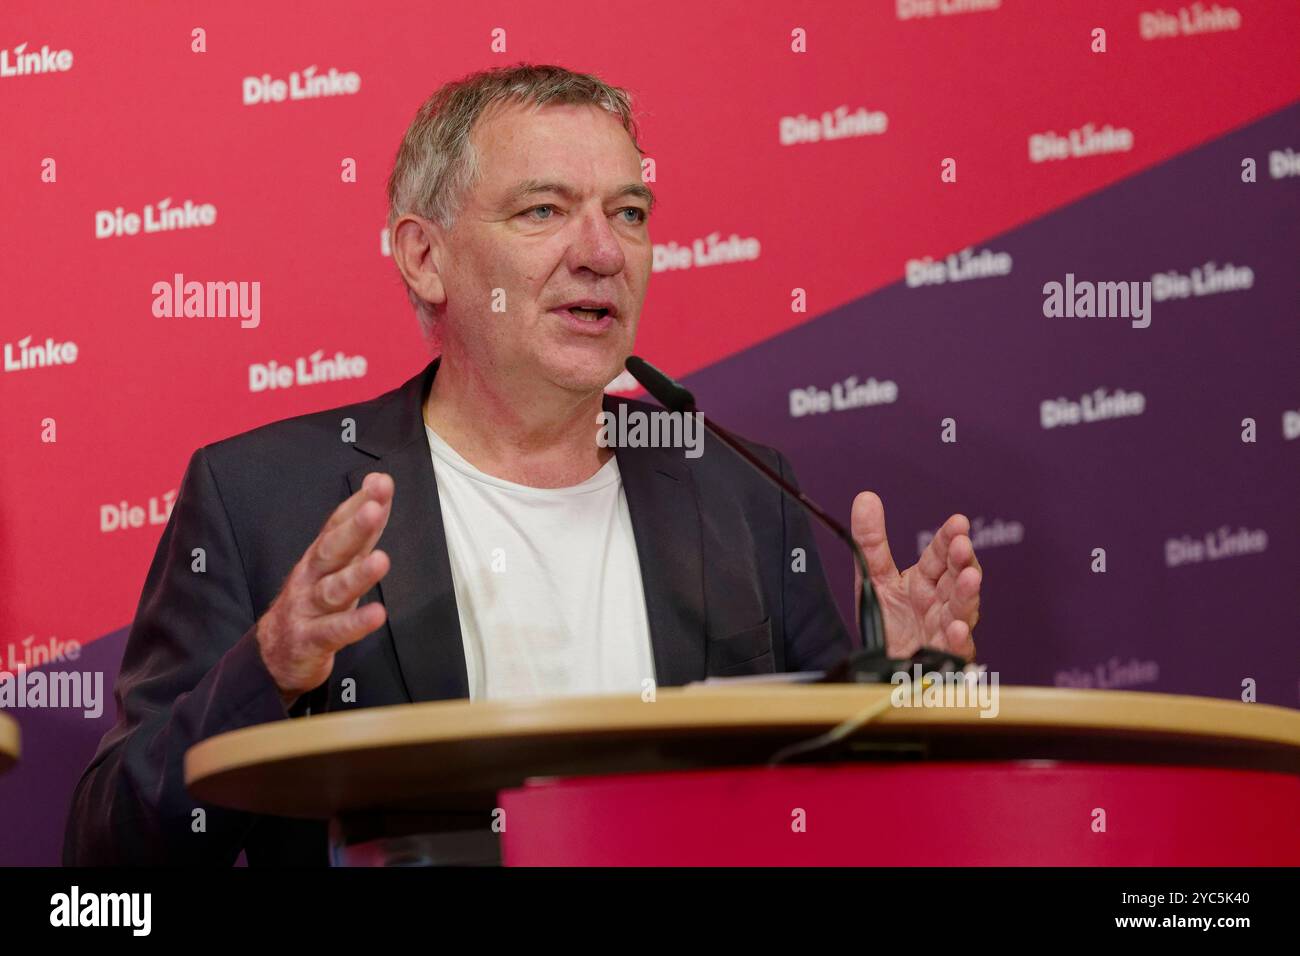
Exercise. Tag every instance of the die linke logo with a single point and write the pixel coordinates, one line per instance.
(958, 267)
(712, 250)
(1087, 140)
(983, 534)
(1290, 424)
(1214, 546)
(1283, 163)
(1097, 406)
(912, 9)
(842, 396)
(314, 369)
(23, 62)
(164, 217)
(832, 124)
(22, 355)
(1189, 21)
(123, 515)
(1209, 279)
(1110, 675)
(307, 85)
(33, 655)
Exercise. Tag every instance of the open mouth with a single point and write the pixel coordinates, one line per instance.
(587, 315)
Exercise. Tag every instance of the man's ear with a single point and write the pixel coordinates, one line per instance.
(417, 245)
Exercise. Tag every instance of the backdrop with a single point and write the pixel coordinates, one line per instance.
(863, 207)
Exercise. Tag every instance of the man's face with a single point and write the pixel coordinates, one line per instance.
(556, 221)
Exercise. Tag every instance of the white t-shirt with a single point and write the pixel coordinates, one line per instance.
(548, 585)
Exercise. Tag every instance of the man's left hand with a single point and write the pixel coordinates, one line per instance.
(934, 603)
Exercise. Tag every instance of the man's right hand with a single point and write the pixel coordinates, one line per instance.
(315, 614)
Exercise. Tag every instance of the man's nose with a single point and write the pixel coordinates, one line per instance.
(595, 245)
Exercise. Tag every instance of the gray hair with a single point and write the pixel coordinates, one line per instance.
(436, 164)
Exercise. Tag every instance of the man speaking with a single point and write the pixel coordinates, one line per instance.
(479, 540)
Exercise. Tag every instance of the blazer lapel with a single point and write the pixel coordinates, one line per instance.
(418, 591)
(665, 513)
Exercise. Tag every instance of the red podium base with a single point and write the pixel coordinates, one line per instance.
(1009, 813)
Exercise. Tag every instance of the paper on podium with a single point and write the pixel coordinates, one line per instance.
(794, 677)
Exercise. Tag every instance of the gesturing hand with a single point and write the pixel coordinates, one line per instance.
(315, 614)
(935, 603)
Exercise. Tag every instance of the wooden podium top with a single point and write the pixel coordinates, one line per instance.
(9, 747)
(457, 754)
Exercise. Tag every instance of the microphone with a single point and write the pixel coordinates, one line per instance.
(871, 663)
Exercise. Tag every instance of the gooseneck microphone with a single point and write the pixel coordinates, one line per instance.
(677, 398)
(871, 663)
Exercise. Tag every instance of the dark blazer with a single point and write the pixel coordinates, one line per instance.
(715, 543)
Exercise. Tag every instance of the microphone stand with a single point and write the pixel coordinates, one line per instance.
(870, 663)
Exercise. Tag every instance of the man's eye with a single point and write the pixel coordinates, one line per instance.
(638, 215)
(539, 210)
